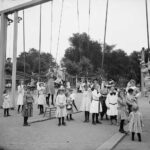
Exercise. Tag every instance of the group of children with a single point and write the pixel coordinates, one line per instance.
(118, 105)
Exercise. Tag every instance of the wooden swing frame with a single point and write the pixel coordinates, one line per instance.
(3, 43)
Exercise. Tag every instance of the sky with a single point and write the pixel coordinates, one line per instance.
(126, 26)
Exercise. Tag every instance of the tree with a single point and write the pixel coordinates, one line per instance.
(32, 61)
(84, 55)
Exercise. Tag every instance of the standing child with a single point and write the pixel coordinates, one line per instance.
(61, 107)
(86, 102)
(131, 99)
(27, 106)
(20, 95)
(70, 103)
(41, 98)
(112, 104)
(135, 124)
(6, 103)
(122, 109)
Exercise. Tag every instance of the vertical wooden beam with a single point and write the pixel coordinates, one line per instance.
(15, 38)
(3, 43)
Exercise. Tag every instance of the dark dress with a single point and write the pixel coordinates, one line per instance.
(27, 105)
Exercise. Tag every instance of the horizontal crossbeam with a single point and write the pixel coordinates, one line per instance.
(23, 6)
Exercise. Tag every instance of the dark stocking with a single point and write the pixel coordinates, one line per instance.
(7, 111)
(59, 121)
(121, 125)
(88, 114)
(133, 136)
(52, 98)
(139, 136)
(19, 108)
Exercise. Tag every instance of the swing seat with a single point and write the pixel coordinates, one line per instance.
(51, 110)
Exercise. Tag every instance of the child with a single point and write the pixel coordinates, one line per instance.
(112, 104)
(86, 102)
(20, 95)
(41, 98)
(6, 103)
(27, 106)
(61, 107)
(70, 103)
(135, 124)
(122, 109)
(131, 99)
(95, 105)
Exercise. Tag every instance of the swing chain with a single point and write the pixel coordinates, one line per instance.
(19, 19)
(9, 21)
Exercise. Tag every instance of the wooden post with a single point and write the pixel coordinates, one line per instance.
(15, 37)
(142, 74)
(3, 43)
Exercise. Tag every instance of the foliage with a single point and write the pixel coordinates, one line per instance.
(31, 62)
(84, 57)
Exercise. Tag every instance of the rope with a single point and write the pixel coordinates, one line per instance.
(89, 17)
(89, 24)
(104, 46)
(78, 24)
(148, 44)
(40, 40)
(59, 28)
(51, 38)
(24, 44)
(78, 17)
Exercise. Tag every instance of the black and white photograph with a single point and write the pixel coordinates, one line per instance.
(74, 74)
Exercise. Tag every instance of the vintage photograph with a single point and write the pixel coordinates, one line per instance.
(74, 75)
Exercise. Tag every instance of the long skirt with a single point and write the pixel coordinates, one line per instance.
(27, 111)
(20, 99)
(112, 111)
(61, 112)
(95, 107)
(6, 105)
(41, 100)
(85, 105)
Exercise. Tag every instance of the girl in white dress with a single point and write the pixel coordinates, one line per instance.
(61, 107)
(20, 96)
(41, 98)
(95, 107)
(136, 123)
(112, 104)
(86, 102)
(6, 103)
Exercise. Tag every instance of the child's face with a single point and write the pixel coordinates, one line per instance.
(61, 92)
(28, 90)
